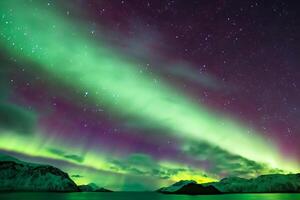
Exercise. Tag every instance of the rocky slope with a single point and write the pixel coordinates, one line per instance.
(16, 175)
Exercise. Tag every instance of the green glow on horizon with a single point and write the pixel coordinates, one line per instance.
(93, 161)
(56, 45)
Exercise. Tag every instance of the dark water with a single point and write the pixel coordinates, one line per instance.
(142, 196)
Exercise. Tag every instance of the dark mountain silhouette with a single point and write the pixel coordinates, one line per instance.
(92, 187)
(176, 186)
(194, 188)
(189, 187)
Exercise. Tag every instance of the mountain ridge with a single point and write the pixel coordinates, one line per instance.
(17, 175)
(270, 183)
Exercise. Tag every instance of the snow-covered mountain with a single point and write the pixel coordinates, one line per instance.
(262, 184)
(16, 175)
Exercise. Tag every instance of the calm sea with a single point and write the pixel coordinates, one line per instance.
(142, 196)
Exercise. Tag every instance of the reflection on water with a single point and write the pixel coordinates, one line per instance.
(141, 196)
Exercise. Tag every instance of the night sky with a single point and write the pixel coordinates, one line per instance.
(137, 94)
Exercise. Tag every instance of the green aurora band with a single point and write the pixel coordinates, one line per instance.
(36, 33)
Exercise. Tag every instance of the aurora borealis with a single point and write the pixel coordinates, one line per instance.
(101, 90)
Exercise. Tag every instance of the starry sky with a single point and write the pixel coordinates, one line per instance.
(135, 95)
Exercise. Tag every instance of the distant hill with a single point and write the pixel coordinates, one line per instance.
(92, 187)
(16, 175)
(272, 183)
